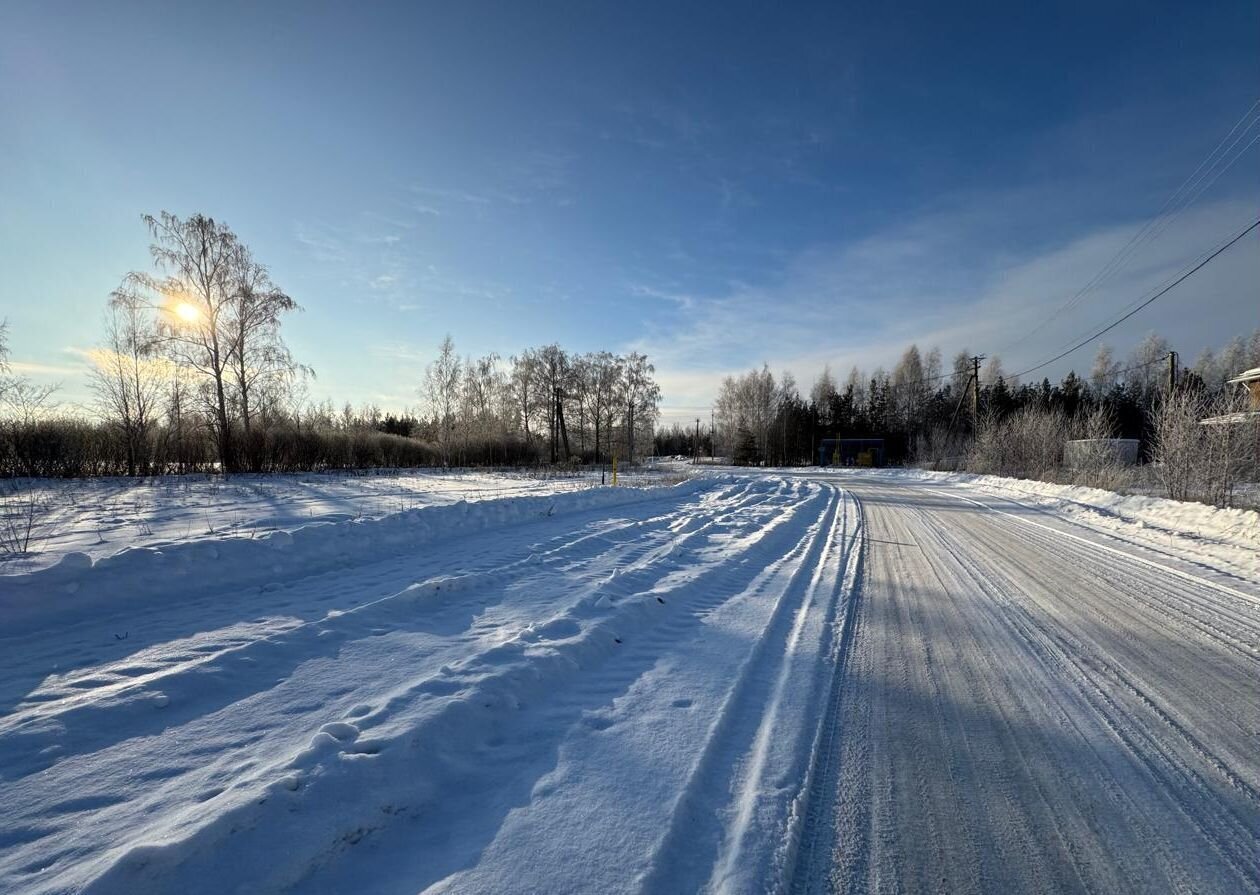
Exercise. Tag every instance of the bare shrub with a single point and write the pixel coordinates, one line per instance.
(1229, 445)
(1097, 463)
(940, 449)
(1038, 438)
(21, 511)
(1205, 448)
(1178, 443)
(988, 451)
(1028, 444)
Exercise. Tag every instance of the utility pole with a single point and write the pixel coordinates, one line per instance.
(695, 453)
(975, 393)
(712, 437)
(1172, 371)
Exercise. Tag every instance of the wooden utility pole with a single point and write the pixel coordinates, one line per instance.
(695, 452)
(975, 393)
(1172, 371)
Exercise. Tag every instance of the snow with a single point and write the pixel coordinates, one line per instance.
(429, 696)
(1227, 539)
(99, 517)
(774, 680)
(1032, 704)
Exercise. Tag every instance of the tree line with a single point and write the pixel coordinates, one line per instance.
(941, 416)
(574, 408)
(193, 374)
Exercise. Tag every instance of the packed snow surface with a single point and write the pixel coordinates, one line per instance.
(1225, 538)
(807, 681)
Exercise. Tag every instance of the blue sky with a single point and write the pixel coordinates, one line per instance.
(716, 184)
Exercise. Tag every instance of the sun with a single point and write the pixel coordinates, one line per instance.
(187, 312)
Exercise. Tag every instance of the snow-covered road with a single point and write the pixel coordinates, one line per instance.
(810, 682)
(1033, 707)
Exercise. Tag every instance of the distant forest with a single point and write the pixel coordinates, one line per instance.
(1201, 435)
(923, 409)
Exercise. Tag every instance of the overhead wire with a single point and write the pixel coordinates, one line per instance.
(1201, 179)
(1133, 309)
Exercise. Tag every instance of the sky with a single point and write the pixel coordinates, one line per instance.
(717, 185)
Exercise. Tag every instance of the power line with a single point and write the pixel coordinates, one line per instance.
(954, 416)
(1156, 233)
(1195, 183)
(1158, 360)
(1164, 291)
(1154, 227)
(1192, 187)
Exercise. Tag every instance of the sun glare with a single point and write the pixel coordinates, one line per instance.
(186, 312)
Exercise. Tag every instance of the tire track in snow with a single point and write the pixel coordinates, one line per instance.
(704, 847)
(1018, 717)
(1126, 597)
(514, 673)
(107, 684)
(636, 537)
(1102, 680)
(807, 856)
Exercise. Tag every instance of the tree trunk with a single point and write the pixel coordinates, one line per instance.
(564, 431)
(131, 451)
(629, 435)
(225, 434)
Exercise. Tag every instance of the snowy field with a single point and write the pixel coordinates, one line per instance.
(99, 517)
(779, 680)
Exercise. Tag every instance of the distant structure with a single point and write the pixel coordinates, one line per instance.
(851, 452)
(1086, 452)
(1249, 380)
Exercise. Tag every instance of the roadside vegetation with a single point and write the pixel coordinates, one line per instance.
(941, 418)
(193, 375)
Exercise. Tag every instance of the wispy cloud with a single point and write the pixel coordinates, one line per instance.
(932, 281)
(321, 244)
(674, 297)
(34, 368)
(400, 351)
(656, 123)
(460, 197)
(523, 179)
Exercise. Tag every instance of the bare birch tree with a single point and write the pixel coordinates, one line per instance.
(641, 397)
(1102, 376)
(259, 361)
(525, 399)
(441, 388)
(604, 377)
(128, 377)
(192, 292)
